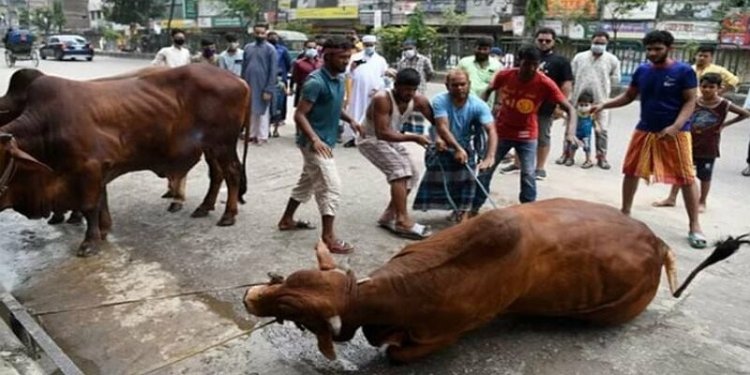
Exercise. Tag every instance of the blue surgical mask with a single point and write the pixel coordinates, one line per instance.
(369, 51)
(598, 49)
(311, 53)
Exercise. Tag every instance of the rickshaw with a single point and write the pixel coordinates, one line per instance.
(19, 46)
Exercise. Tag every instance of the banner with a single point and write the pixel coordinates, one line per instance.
(489, 11)
(568, 8)
(691, 30)
(625, 30)
(735, 30)
(323, 9)
(646, 12)
(693, 10)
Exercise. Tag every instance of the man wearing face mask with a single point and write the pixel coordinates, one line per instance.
(596, 71)
(480, 67)
(207, 54)
(303, 66)
(260, 70)
(231, 58)
(366, 72)
(176, 54)
(414, 60)
(278, 107)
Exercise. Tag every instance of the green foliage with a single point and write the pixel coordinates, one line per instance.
(128, 12)
(110, 34)
(391, 38)
(296, 25)
(247, 9)
(24, 18)
(58, 16)
(535, 13)
(453, 21)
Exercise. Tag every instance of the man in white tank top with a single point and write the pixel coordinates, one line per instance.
(381, 145)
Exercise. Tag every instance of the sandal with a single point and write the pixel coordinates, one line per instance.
(416, 232)
(340, 247)
(299, 224)
(569, 162)
(588, 164)
(389, 225)
(275, 133)
(697, 240)
(603, 164)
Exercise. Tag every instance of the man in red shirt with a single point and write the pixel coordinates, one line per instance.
(305, 64)
(520, 92)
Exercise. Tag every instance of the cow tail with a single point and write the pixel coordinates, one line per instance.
(723, 250)
(670, 266)
(246, 130)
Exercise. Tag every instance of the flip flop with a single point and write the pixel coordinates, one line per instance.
(587, 165)
(697, 240)
(389, 225)
(340, 247)
(299, 224)
(662, 204)
(416, 232)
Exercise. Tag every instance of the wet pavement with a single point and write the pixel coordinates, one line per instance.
(132, 309)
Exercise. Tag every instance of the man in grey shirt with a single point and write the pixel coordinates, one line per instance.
(231, 58)
(260, 68)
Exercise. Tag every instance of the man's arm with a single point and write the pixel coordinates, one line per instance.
(621, 100)
(571, 122)
(489, 158)
(687, 109)
(729, 81)
(615, 75)
(273, 73)
(159, 59)
(422, 105)
(303, 125)
(742, 115)
(245, 61)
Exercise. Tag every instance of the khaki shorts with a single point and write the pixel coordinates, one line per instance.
(391, 158)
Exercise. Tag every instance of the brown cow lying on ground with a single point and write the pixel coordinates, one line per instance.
(75, 137)
(558, 257)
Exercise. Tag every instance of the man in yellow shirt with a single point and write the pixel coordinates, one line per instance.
(480, 67)
(704, 63)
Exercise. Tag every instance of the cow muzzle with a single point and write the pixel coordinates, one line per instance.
(252, 295)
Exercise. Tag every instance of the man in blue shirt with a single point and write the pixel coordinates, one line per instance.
(278, 111)
(317, 131)
(461, 119)
(660, 149)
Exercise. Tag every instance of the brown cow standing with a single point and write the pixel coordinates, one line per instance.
(75, 137)
(557, 257)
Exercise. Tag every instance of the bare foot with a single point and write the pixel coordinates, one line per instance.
(665, 203)
(702, 208)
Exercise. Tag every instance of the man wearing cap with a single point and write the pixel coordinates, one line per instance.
(366, 73)
(414, 60)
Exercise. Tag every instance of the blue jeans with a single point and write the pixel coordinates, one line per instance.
(526, 152)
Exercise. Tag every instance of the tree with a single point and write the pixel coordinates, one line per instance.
(42, 18)
(391, 38)
(128, 12)
(247, 9)
(536, 10)
(57, 18)
(452, 22)
(24, 18)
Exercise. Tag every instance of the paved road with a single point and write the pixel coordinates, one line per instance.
(153, 254)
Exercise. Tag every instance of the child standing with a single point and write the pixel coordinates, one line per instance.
(585, 124)
(707, 123)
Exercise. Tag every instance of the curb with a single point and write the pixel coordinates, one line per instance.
(125, 55)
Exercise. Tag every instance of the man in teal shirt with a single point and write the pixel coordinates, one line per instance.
(317, 130)
(480, 67)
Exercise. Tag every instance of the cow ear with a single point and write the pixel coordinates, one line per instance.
(25, 160)
(325, 345)
(325, 259)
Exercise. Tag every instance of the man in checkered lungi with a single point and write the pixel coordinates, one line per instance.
(461, 119)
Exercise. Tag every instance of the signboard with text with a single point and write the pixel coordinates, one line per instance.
(691, 30)
(568, 8)
(322, 9)
(490, 11)
(692, 10)
(646, 12)
(625, 30)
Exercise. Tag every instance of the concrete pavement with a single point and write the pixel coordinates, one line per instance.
(130, 311)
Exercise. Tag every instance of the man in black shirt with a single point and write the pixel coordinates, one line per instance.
(558, 68)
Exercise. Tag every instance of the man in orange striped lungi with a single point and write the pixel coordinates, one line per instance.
(660, 149)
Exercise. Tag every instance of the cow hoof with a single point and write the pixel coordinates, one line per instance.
(226, 221)
(168, 194)
(174, 207)
(56, 219)
(200, 212)
(75, 218)
(87, 249)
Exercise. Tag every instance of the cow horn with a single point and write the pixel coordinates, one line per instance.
(6, 137)
(335, 323)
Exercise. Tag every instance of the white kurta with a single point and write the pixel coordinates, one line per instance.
(366, 79)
